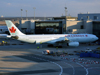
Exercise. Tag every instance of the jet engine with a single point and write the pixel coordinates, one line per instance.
(14, 37)
(73, 44)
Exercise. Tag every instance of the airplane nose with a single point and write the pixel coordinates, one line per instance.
(97, 38)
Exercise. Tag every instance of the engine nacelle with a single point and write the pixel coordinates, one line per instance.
(14, 37)
(73, 44)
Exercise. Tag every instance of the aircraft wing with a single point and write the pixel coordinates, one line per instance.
(64, 40)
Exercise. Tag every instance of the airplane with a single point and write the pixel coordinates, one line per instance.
(69, 39)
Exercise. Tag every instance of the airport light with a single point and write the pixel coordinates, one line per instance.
(26, 14)
(65, 11)
(66, 16)
(34, 12)
(21, 13)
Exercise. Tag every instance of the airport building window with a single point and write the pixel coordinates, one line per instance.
(82, 27)
(96, 28)
(69, 30)
(48, 27)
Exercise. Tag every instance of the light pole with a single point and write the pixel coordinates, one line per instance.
(21, 13)
(26, 14)
(34, 12)
(65, 11)
(66, 16)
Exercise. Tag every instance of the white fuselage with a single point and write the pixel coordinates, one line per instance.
(70, 39)
(59, 37)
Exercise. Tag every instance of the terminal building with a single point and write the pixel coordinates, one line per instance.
(89, 16)
(58, 25)
(95, 21)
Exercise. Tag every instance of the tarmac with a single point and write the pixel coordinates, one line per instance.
(25, 59)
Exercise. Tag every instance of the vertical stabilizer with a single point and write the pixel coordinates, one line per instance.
(14, 31)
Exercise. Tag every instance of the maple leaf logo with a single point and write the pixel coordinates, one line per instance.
(86, 35)
(12, 30)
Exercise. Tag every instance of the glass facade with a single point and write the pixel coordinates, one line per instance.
(96, 28)
(48, 27)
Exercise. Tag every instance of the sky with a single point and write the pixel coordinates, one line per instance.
(47, 8)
